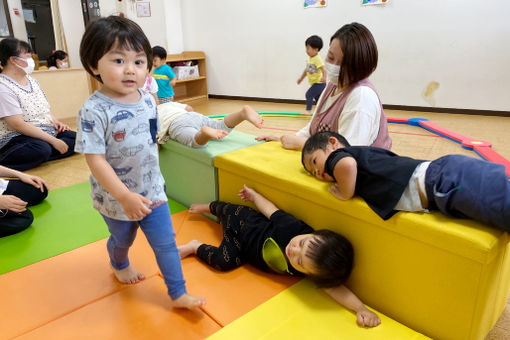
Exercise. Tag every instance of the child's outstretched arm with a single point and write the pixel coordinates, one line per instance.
(303, 75)
(348, 299)
(265, 206)
(134, 204)
(345, 172)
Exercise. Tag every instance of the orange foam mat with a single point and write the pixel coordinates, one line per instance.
(229, 294)
(37, 294)
(140, 311)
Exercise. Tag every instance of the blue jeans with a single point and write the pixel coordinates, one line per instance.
(157, 227)
(313, 94)
(462, 186)
(24, 152)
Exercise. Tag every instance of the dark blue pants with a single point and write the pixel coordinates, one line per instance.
(313, 94)
(467, 187)
(24, 152)
(11, 222)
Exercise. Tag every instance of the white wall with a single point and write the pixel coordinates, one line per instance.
(17, 21)
(155, 26)
(256, 48)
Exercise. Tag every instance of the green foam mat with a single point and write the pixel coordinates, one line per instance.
(64, 221)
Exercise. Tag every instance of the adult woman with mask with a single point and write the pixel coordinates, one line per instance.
(57, 59)
(349, 104)
(29, 133)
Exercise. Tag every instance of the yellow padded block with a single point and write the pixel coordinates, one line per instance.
(446, 278)
(304, 312)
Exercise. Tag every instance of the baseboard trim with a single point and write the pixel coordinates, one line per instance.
(386, 106)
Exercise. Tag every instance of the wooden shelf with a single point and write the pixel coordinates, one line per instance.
(194, 89)
(191, 79)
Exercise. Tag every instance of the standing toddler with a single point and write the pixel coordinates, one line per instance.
(117, 133)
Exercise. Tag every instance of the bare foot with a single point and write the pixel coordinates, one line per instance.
(197, 208)
(128, 275)
(306, 113)
(253, 117)
(189, 248)
(188, 301)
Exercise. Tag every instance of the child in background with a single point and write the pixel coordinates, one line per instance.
(17, 191)
(315, 72)
(151, 87)
(275, 241)
(457, 185)
(164, 75)
(180, 123)
(58, 59)
(117, 133)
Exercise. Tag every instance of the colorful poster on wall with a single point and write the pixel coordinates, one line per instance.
(315, 3)
(373, 2)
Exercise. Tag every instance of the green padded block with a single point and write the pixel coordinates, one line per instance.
(190, 175)
(64, 221)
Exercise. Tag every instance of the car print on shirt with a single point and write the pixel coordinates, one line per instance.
(119, 136)
(87, 125)
(122, 171)
(121, 115)
(99, 198)
(143, 127)
(131, 151)
(150, 160)
(129, 183)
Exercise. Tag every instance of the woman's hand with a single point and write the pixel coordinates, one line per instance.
(12, 203)
(267, 138)
(37, 182)
(60, 145)
(59, 126)
(135, 206)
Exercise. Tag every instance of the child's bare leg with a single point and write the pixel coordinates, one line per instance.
(188, 301)
(307, 113)
(189, 248)
(128, 275)
(247, 113)
(207, 133)
(198, 208)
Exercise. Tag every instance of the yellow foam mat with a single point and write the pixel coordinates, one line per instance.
(304, 312)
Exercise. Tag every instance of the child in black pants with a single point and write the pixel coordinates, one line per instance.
(275, 241)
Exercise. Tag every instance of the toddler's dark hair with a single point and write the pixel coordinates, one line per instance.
(52, 59)
(360, 53)
(159, 51)
(320, 141)
(333, 257)
(314, 41)
(104, 33)
(12, 47)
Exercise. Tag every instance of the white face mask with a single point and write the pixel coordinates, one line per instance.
(64, 65)
(30, 65)
(332, 72)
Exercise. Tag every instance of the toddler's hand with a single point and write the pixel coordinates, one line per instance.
(267, 138)
(247, 194)
(367, 318)
(135, 206)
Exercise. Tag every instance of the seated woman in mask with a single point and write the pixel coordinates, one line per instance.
(349, 104)
(58, 59)
(29, 133)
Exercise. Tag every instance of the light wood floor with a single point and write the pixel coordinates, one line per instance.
(407, 140)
